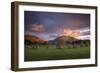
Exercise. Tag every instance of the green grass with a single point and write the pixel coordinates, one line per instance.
(52, 53)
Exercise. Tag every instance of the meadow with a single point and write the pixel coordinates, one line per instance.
(55, 52)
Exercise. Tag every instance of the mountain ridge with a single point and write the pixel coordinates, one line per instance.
(57, 40)
(32, 38)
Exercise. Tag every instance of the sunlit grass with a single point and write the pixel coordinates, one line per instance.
(54, 52)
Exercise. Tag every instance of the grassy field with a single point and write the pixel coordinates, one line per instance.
(53, 53)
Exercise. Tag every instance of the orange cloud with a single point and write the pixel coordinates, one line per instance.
(37, 28)
(72, 33)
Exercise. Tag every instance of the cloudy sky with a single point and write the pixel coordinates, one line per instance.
(49, 25)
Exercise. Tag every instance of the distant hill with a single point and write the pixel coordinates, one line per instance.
(67, 40)
(31, 38)
(63, 40)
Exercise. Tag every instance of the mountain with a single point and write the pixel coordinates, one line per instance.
(31, 38)
(63, 40)
(68, 40)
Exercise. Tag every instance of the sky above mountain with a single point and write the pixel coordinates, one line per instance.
(49, 25)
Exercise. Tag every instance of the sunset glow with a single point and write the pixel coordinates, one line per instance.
(50, 25)
(37, 28)
(72, 33)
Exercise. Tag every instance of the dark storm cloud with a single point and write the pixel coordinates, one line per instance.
(86, 33)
